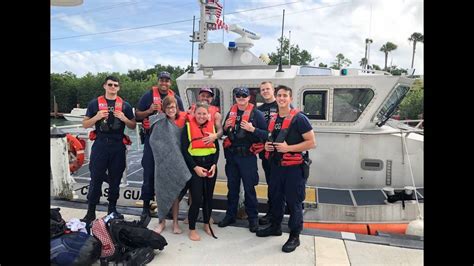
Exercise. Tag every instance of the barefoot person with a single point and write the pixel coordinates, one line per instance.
(201, 158)
(171, 173)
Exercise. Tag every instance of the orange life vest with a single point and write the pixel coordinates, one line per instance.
(181, 120)
(196, 133)
(233, 116)
(285, 127)
(157, 97)
(103, 103)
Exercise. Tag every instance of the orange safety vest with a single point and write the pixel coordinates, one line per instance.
(285, 128)
(157, 97)
(196, 133)
(181, 120)
(233, 116)
(103, 103)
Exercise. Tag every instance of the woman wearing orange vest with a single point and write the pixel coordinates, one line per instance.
(201, 159)
(169, 178)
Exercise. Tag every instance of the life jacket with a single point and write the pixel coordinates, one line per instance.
(156, 100)
(157, 97)
(212, 111)
(196, 133)
(181, 120)
(102, 103)
(287, 159)
(233, 116)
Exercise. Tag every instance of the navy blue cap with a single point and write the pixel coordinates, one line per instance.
(206, 89)
(164, 75)
(242, 90)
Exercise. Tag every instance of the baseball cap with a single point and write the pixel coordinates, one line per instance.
(242, 90)
(205, 89)
(164, 75)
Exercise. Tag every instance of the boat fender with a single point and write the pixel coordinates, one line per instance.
(76, 153)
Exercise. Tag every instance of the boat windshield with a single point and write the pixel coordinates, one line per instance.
(391, 104)
(350, 103)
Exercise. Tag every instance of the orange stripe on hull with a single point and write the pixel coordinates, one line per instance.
(358, 228)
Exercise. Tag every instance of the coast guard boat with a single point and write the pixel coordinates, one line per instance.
(366, 167)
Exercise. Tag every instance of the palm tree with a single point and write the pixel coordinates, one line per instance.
(415, 37)
(363, 62)
(367, 44)
(387, 48)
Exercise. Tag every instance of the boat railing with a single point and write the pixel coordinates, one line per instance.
(77, 129)
(418, 123)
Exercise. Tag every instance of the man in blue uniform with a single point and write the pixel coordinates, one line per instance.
(245, 127)
(150, 104)
(110, 114)
(290, 135)
(268, 108)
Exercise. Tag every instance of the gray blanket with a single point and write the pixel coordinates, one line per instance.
(171, 172)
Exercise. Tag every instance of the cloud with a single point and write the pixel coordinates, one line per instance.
(331, 27)
(78, 23)
(82, 63)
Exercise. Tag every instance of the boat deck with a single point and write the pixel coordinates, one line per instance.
(236, 245)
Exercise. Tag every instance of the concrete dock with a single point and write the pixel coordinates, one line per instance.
(237, 245)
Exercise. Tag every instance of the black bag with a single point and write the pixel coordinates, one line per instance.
(58, 225)
(133, 234)
(306, 164)
(134, 243)
(75, 248)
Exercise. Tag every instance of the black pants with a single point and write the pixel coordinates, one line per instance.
(202, 189)
(107, 163)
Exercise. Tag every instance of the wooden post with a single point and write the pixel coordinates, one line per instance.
(55, 107)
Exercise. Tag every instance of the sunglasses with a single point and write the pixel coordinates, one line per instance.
(110, 85)
(241, 95)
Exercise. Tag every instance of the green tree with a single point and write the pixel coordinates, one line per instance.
(387, 48)
(367, 45)
(363, 62)
(412, 106)
(376, 67)
(341, 61)
(322, 65)
(298, 56)
(394, 70)
(415, 37)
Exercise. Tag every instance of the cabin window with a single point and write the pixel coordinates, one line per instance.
(391, 104)
(193, 93)
(314, 104)
(350, 103)
(255, 97)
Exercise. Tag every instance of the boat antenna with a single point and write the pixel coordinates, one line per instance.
(281, 43)
(192, 49)
(289, 48)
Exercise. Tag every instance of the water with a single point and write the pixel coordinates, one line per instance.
(62, 122)
(131, 133)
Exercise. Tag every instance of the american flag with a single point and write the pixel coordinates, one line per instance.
(219, 22)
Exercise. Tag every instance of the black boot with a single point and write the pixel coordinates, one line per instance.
(292, 243)
(145, 217)
(253, 226)
(146, 208)
(112, 209)
(266, 219)
(272, 230)
(226, 221)
(90, 215)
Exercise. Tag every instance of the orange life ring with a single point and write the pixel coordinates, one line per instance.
(76, 153)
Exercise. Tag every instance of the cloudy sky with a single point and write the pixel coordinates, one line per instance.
(118, 35)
